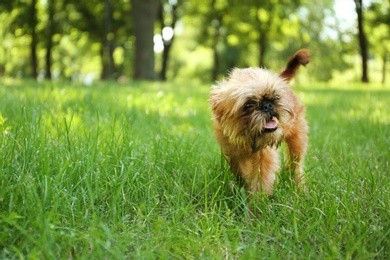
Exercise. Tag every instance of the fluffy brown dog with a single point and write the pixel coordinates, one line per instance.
(254, 110)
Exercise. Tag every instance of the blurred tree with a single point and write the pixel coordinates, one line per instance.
(31, 27)
(69, 36)
(144, 14)
(51, 28)
(216, 33)
(218, 11)
(362, 39)
(50, 31)
(105, 22)
(168, 15)
(378, 21)
(25, 21)
(215, 22)
(322, 32)
(267, 21)
(107, 49)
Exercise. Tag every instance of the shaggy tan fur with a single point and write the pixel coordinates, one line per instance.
(254, 110)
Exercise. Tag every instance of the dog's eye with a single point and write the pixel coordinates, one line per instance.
(250, 105)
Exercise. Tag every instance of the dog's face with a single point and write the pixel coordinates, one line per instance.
(252, 107)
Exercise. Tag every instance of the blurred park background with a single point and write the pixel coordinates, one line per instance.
(128, 167)
(90, 40)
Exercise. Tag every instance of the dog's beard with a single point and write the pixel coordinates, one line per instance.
(264, 130)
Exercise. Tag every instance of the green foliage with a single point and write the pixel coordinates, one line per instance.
(84, 39)
(77, 39)
(133, 171)
(378, 27)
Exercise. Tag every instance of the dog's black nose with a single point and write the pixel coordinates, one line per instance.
(266, 107)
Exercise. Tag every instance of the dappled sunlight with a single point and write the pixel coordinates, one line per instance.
(180, 112)
(362, 102)
(372, 111)
(137, 114)
(70, 120)
(4, 128)
(162, 103)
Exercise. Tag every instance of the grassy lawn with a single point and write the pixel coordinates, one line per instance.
(133, 171)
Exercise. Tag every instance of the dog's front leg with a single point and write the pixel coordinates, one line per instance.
(297, 145)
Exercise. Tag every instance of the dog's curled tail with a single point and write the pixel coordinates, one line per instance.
(301, 57)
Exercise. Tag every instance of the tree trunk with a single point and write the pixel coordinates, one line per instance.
(216, 24)
(165, 58)
(48, 60)
(384, 66)
(167, 43)
(49, 43)
(362, 40)
(216, 64)
(216, 60)
(264, 27)
(34, 40)
(144, 14)
(108, 64)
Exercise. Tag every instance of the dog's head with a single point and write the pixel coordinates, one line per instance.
(252, 107)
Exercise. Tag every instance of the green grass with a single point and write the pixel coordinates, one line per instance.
(132, 171)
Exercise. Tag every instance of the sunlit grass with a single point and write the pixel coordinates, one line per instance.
(132, 171)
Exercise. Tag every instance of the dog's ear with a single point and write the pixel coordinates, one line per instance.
(301, 57)
(214, 102)
(216, 106)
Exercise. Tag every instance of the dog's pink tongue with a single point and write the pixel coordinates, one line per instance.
(271, 124)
